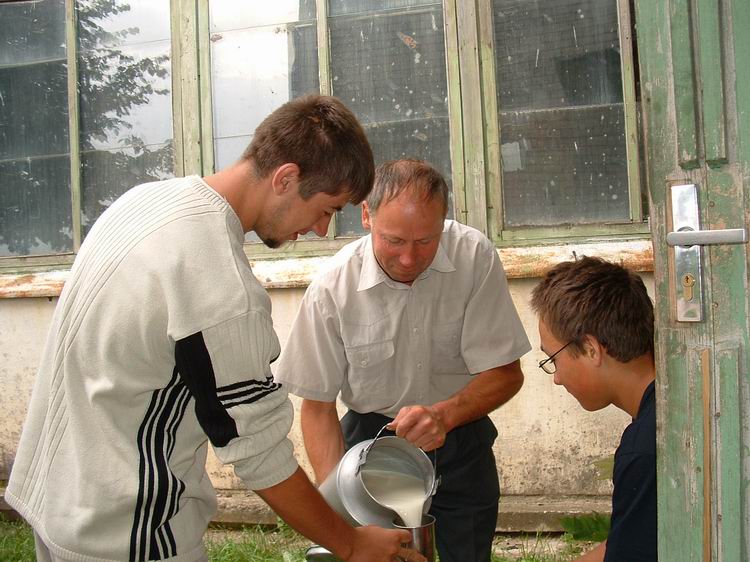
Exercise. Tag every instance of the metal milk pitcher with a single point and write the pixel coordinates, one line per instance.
(346, 492)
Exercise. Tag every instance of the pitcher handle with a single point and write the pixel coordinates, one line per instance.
(366, 450)
(436, 481)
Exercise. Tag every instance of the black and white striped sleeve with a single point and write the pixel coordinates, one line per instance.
(244, 413)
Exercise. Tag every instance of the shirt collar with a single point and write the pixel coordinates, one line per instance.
(372, 274)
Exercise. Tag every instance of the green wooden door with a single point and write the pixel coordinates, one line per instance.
(695, 83)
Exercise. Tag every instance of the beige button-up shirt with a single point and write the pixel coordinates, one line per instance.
(382, 345)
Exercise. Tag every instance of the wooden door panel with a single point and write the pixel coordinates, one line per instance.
(695, 82)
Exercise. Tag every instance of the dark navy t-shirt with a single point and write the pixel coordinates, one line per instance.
(632, 536)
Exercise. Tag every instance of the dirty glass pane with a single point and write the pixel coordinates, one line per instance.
(125, 99)
(258, 62)
(107, 174)
(559, 93)
(339, 7)
(133, 105)
(226, 15)
(32, 32)
(388, 65)
(115, 24)
(35, 201)
(262, 55)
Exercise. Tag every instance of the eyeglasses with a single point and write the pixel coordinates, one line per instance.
(548, 365)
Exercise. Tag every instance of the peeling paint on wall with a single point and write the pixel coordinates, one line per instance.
(519, 262)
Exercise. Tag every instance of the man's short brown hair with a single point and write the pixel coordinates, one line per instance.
(321, 136)
(594, 297)
(396, 176)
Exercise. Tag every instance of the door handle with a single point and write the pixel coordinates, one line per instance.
(687, 241)
(688, 237)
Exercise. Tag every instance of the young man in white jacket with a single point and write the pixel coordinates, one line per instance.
(161, 341)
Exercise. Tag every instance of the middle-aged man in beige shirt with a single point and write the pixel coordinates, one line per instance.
(412, 326)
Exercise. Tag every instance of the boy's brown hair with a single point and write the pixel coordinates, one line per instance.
(321, 136)
(594, 297)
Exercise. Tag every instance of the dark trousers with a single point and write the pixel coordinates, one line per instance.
(465, 505)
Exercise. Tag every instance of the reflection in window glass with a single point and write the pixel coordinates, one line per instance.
(262, 55)
(562, 127)
(125, 99)
(339, 7)
(388, 66)
(226, 15)
(115, 24)
(35, 201)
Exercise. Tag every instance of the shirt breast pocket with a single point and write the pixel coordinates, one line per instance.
(370, 365)
(446, 349)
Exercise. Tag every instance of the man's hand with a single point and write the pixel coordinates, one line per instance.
(297, 502)
(427, 426)
(422, 426)
(375, 544)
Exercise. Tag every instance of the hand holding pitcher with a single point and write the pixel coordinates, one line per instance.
(422, 426)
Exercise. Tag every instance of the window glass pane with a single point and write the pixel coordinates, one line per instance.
(114, 24)
(257, 68)
(35, 201)
(226, 15)
(31, 32)
(107, 174)
(262, 55)
(338, 7)
(247, 87)
(125, 99)
(388, 66)
(562, 128)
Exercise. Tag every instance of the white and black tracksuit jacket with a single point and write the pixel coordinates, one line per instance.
(161, 341)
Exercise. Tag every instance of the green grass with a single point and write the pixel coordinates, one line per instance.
(16, 541)
(249, 544)
(257, 544)
(283, 544)
(535, 548)
(593, 527)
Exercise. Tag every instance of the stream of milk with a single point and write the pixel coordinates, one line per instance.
(403, 493)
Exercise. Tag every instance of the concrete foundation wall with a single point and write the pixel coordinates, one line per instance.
(549, 450)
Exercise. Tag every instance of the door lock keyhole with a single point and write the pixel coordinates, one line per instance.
(688, 281)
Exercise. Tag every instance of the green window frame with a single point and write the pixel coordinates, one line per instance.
(198, 127)
(31, 263)
(75, 55)
(473, 123)
(472, 74)
(474, 135)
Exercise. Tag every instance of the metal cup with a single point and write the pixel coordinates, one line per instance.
(422, 538)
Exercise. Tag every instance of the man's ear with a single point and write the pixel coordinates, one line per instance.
(284, 178)
(593, 350)
(366, 222)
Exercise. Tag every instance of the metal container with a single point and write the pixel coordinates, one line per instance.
(422, 537)
(319, 554)
(422, 541)
(347, 493)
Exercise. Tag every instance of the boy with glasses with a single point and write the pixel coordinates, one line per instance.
(596, 323)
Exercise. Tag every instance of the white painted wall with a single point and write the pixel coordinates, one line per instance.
(547, 444)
